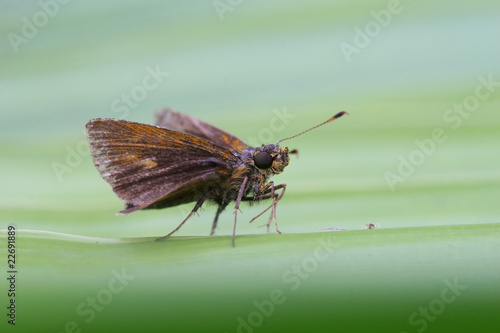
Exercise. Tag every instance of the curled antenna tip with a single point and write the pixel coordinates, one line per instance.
(338, 115)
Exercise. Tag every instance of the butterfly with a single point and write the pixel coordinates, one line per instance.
(181, 160)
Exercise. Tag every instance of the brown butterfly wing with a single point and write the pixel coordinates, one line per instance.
(149, 166)
(176, 121)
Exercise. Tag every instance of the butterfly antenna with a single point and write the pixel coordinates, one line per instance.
(338, 115)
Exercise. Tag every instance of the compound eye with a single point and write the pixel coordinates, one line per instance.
(263, 160)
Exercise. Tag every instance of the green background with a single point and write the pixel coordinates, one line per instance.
(439, 226)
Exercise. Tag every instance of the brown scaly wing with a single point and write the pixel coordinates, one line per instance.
(149, 166)
(176, 121)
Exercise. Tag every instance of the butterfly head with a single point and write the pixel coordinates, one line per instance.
(271, 159)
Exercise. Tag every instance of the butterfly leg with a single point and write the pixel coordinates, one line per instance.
(214, 224)
(273, 210)
(270, 188)
(241, 193)
(196, 207)
(270, 193)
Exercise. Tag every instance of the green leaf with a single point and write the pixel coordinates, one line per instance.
(375, 279)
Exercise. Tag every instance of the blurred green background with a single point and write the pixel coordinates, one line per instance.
(418, 154)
